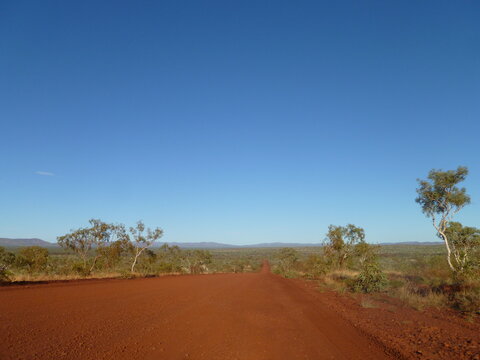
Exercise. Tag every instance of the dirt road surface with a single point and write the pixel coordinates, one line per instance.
(222, 316)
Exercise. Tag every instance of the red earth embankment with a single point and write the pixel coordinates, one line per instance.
(223, 316)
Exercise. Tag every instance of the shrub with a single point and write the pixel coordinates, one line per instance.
(371, 279)
(464, 295)
(34, 258)
(466, 301)
(6, 259)
(315, 266)
(4, 274)
(287, 259)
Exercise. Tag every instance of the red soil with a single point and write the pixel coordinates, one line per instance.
(223, 316)
(409, 333)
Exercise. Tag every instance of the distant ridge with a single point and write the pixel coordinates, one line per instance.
(413, 243)
(203, 245)
(215, 245)
(197, 245)
(25, 242)
(280, 244)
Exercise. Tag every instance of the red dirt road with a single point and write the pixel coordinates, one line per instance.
(222, 316)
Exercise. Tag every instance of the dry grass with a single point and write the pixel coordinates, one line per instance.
(419, 301)
(53, 277)
(335, 280)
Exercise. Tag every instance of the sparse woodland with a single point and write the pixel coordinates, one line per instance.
(422, 276)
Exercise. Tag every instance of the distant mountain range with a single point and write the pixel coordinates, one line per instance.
(215, 245)
(199, 245)
(413, 243)
(25, 242)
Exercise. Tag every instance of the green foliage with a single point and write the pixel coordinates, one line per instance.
(341, 243)
(287, 259)
(7, 259)
(97, 236)
(440, 199)
(33, 258)
(315, 266)
(4, 273)
(140, 239)
(196, 261)
(440, 194)
(111, 255)
(466, 299)
(465, 246)
(371, 279)
(364, 253)
(148, 262)
(169, 259)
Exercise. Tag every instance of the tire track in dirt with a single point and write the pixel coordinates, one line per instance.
(220, 316)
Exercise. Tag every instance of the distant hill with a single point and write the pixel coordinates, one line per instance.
(215, 245)
(197, 245)
(280, 245)
(413, 243)
(25, 242)
(202, 245)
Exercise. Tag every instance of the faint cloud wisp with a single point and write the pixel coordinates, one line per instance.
(44, 173)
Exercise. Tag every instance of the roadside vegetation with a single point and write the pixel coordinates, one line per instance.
(103, 250)
(422, 276)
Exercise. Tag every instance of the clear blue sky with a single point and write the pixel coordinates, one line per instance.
(235, 121)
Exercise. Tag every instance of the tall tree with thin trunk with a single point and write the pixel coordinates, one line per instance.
(440, 199)
(142, 240)
(84, 240)
(340, 243)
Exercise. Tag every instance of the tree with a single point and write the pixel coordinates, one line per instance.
(7, 258)
(287, 258)
(141, 240)
(111, 255)
(441, 199)
(364, 252)
(170, 258)
(96, 237)
(196, 261)
(341, 241)
(465, 243)
(34, 258)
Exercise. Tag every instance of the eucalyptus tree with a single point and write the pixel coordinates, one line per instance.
(90, 239)
(141, 239)
(441, 199)
(465, 246)
(342, 243)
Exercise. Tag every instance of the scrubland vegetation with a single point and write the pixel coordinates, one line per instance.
(109, 250)
(420, 275)
(415, 274)
(56, 264)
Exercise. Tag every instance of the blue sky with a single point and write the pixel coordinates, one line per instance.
(235, 121)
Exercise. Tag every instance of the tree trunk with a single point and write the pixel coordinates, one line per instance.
(137, 254)
(94, 262)
(449, 251)
(134, 262)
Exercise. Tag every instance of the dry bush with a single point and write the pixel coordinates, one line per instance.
(419, 300)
